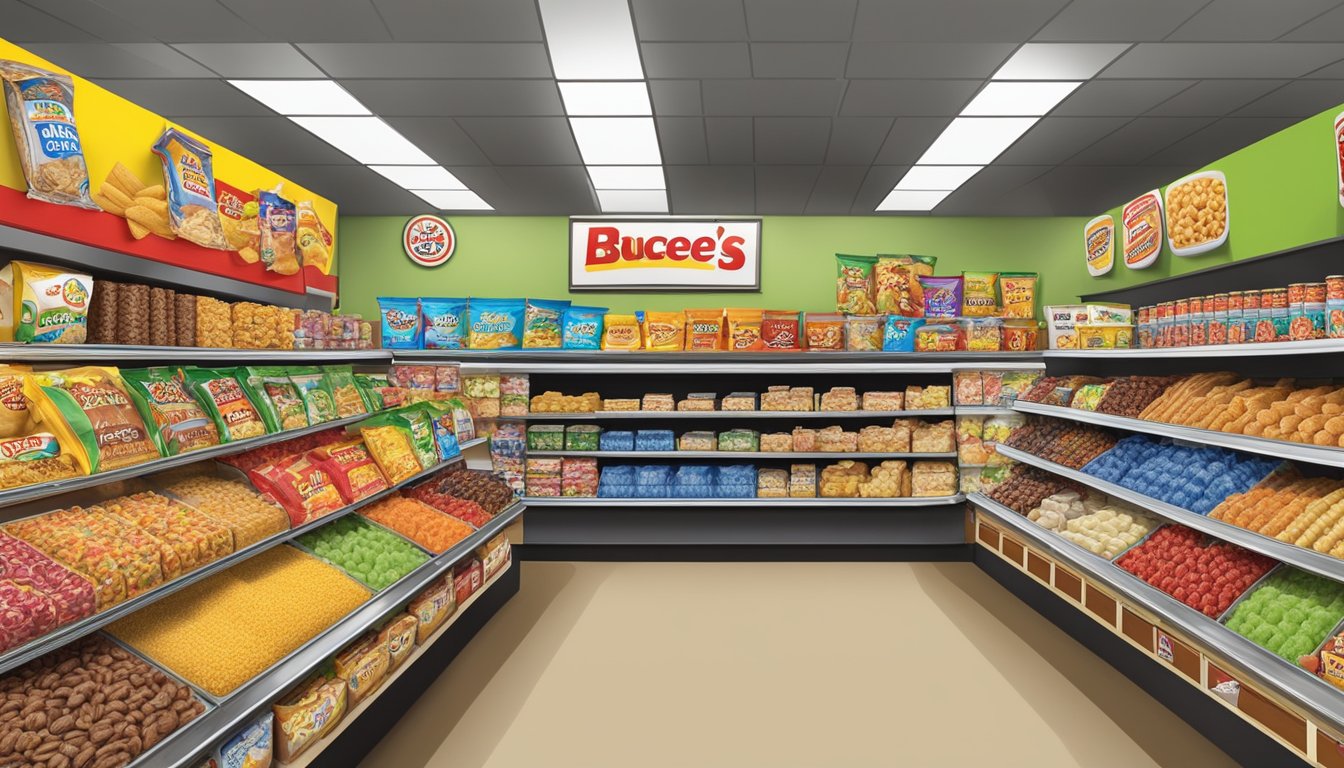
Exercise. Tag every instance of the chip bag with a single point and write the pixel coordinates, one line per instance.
(622, 332)
(444, 322)
(277, 399)
(401, 322)
(824, 331)
(780, 330)
(704, 330)
(1019, 294)
(942, 296)
(43, 305)
(496, 324)
(854, 284)
(898, 335)
(189, 177)
(443, 422)
(896, 282)
(29, 451)
(161, 397)
(542, 323)
(351, 468)
(664, 331)
(582, 327)
(744, 330)
(313, 239)
(389, 440)
(42, 115)
(278, 222)
(422, 434)
(979, 294)
(227, 403)
(238, 218)
(300, 486)
(318, 401)
(340, 380)
(88, 410)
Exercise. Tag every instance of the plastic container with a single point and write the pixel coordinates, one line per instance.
(1207, 245)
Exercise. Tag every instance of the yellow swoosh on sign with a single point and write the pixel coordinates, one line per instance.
(648, 264)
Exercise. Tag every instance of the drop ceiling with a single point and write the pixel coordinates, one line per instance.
(761, 106)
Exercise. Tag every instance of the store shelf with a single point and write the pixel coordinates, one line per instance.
(618, 415)
(1268, 349)
(592, 501)
(1313, 454)
(1301, 557)
(22, 654)
(983, 410)
(238, 709)
(699, 361)
(742, 455)
(123, 354)
(1242, 657)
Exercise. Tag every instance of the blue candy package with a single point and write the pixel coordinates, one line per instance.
(583, 327)
(899, 333)
(495, 324)
(445, 323)
(401, 322)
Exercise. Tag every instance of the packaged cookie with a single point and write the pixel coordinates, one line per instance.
(102, 317)
(444, 322)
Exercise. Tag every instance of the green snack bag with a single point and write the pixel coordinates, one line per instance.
(177, 420)
(226, 401)
(276, 397)
(371, 389)
(422, 434)
(443, 424)
(318, 402)
(854, 284)
(344, 392)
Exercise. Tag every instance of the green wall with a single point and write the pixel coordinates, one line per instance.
(1281, 191)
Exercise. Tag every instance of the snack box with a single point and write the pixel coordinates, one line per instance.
(1062, 323)
(1109, 336)
(1109, 314)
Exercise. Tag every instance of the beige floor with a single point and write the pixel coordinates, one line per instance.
(749, 664)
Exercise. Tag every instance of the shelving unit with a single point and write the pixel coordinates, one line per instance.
(982, 410)
(539, 502)
(121, 354)
(693, 415)
(1265, 349)
(782, 455)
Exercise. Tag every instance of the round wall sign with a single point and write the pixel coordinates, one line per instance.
(428, 240)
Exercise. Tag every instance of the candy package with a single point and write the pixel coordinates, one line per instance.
(401, 322)
(704, 330)
(495, 323)
(942, 296)
(622, 332)
(542, 323)
(980, 294)
(854, 284)
(744, 330)
(1019, 294)
(664, 331)
(898, 333)
(444, 322)
(779, 330)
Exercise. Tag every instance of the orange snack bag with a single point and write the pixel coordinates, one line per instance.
(744, 330)
(664, 331)
(704, 330)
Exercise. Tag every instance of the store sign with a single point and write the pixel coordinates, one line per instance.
(1099, 245)
(664, 254)
(428, 240)
(1141, 221)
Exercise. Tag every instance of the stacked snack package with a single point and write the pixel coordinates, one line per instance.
(507, 450)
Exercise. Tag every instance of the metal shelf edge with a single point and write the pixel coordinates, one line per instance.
(1268, 349)
(605, 501)
(117, 353)
(609, 415)
(838, 455)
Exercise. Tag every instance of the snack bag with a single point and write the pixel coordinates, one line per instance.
(980, 294)
(28, 452)
(940, 337)
(896, 281)
(399, 635)
(226, 401)
(541, 323)
(278, 223)
(744, 330)
(582, 327)
(352, 470)
(304, 716)
(340, 380)
(622, 332)
(43, 305)
(898, 335)
(374, 388)
(444, 322)
(389, 441)
(401, 322)
(443, 421)
(495, 324)
(318, 401)
(422, 434)
(301, 487)
(704, 330)
(276, 397)
(942, 296)
(1019, 294)
(363, 666)
(161, 397)
(863, 333)
(313, 239)
(238, 220)
(779, 330)
(854, 284)
(88, 409)
(189, 177)
(42, 115)
(824, 331)
(664, 331)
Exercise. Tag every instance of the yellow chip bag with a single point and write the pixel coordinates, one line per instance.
(622, 332)
(664, 331)
(744, 330)
(1019, 294)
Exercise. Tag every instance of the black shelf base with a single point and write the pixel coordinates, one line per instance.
(743, 553)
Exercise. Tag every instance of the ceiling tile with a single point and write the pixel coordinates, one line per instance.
(265, 140)
(457, 98)
(314, 21)
(104, 23)
(26, 24)
(711, 189)
(206, 21)
(523, 140)
(1098, 21)
(1200, 60)
(355, 189)
(800, 19)
(1054, 139)
(120, 60)
(696, 60)
(676, 97)
(461, 20)
(856, 140)
(1332, 72)
(252, 60)
(987, 189)
(772, 97)
(487, 182)
(689, 20)
(834, 190)
(1138, 139)
(784, 190)
(408, 60)
(972, 60)
(1088, 190)
(1302, 98)
(194, 98)
(682, 140)
(964, 21)
(442, 139)
(798, 59)
(1219, 140)
(1103, 98)
(548, 188)
(1229, 20)
(876, 184)
(791, 140)
(909, 138)
(1328, 27)
(919, 98)
(729, 140)
(1214, 98)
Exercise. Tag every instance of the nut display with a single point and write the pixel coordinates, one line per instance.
(1308, 512)
(474, 485)
(1129, 396)
(1026, 487)
(1071, 445)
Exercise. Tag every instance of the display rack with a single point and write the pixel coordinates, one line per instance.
(707, 361)
(781, 455)
(814, 503)
(694, 415)
(982, 410)
(93, 354)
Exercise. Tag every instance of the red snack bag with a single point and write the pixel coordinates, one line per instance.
(780, 331)
(300, 486)
(351, 468)
(467, 578)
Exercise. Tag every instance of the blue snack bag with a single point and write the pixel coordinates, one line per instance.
(445, 323)
(401, 322)
(495, 324)
(899, 333)
(582, 327)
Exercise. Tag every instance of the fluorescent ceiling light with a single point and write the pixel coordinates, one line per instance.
(452, 199)
(419, 176)
(606, 98)
(591, 39)
(912, 200)
(367, 139)
(626, 177)
(302, 97)
(616, 140)
(1059, 61)
(935, 177)
(975, 140)
(1027, 99)
(632, 200)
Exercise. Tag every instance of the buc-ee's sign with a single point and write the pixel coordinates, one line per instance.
(664, 254)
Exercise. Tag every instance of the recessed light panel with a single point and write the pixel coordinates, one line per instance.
(611, 99)
(912, 200)
(367, 139)
(616, 140)
(934, 177)
(452, 199)
(1006, 99)
(1059, 61)
(626, 177)
(302, 97)
(591, 39)
(419, 176)
(975, 140)
(632, 201)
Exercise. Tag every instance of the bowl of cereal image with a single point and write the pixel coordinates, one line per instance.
(1198, 217)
